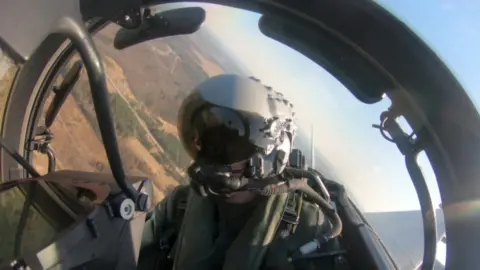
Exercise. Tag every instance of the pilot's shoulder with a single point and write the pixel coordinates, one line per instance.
(175, 195)
(179, 190)
(172, 198)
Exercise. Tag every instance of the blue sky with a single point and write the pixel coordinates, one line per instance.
(452, 29)
(371, 167)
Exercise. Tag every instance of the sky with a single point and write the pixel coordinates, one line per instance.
(371, 168)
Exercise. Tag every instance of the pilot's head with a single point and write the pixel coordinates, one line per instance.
(237, 131)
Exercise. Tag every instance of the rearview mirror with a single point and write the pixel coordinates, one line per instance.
(173, 22)
(355, 72)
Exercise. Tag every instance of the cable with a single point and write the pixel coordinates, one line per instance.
(21, 160)
(329, 211)
(298, 184)
(302, 186)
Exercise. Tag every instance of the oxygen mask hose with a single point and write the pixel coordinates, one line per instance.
(302, 186)
(297, 184)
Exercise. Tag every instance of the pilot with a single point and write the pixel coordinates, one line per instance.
(239, 134)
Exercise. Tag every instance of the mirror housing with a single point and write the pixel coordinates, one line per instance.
(354, 71)
(173, 22)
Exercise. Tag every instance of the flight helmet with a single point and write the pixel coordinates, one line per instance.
(236, 130)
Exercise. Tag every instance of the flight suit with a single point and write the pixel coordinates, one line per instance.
(193, 237)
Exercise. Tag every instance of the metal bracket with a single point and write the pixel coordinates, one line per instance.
(130, 19)
(405, 142)
(42, 145)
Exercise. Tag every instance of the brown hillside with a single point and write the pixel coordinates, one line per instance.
(160, 72)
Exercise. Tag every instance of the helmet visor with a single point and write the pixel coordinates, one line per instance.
(226, 136)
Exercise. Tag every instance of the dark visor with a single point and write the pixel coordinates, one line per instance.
(226, 136)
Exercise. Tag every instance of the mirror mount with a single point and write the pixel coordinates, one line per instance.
(138, 28)
(131, 19)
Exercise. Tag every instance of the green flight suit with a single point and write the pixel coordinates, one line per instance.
(205, 241)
